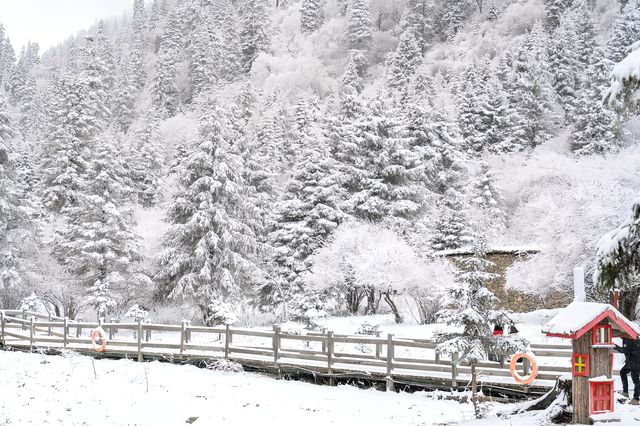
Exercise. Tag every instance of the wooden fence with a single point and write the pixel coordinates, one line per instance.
(390, 359)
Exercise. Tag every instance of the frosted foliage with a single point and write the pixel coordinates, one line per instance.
(370, 256)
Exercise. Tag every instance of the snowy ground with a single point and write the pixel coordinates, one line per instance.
(39, 389)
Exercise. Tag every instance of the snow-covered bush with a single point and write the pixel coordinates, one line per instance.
(307, 309)
(368, 329)
(137, 312)
(220, 313)
(225, 365)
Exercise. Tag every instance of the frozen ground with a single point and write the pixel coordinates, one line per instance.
(63, 390)
(51, 390)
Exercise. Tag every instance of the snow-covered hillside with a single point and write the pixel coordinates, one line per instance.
(220, 158)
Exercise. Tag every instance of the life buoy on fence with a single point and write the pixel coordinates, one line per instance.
(523, 380)
(98, 332)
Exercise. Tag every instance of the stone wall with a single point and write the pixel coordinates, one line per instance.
(513, 300)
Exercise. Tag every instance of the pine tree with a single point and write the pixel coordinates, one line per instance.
(418, 18)
(530, 93)
(97, 244)
(147, 165)
(471, 308)
(311, 15)
(210, 248)
(493, 13)
(254, 38)
(596, 128)
(565, 63)
(79, 115)
(359, 27)
(454, 14)
(304, 218)
(353, 75)
(12, 218)
(487, 196)
(555, 9)
(625, 31)
(405, 60)
(452, 228)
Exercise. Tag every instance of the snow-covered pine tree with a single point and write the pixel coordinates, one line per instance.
(471, 308)
(354, 72)
(618, 262)
(97, 244)
(405, 60)
(530, 92)
(471, 117)
(311, 15)
(452, 227)
(565, 62)
(454, 13)
(79, 115)
(625, 31)
(147, 162)
(164, 92)
(359, 27)
(254, 37)
(597, 129)
(304, 218)
(493, 13)
(210, 249)
(418, 18)
(12, 219)
(214, 54)
(555, 9)
(487, 196)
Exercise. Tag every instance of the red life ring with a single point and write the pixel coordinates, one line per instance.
(98, 332)
(523, 380)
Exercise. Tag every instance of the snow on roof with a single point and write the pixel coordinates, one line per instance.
(578, 318)
(526, 249)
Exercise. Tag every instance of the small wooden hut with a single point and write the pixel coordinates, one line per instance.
(591, 327)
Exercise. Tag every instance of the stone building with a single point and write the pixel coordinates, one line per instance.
(503, 258)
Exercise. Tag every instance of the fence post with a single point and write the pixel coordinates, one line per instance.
(378, 345)
(276, 348)
(183, 335)
(324, 344)
(330, 343)
(140, 357)
(390, 356)
(227, 341)
(147, 335)
(454, 370)
(65, 333)
(501, 361)
(49, 324)
(24, 318)
(78, 328)
(526, 365)
(111, 332)
(2, 320)
(31, 332)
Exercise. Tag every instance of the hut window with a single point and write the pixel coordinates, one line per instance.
(601, 397)
(602, 334)
(580, 364)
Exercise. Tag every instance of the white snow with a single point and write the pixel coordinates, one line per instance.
(39, 389)
(578, 314)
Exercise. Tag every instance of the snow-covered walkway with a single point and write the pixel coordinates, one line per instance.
(38, 389)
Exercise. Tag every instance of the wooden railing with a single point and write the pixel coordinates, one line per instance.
(394, 360)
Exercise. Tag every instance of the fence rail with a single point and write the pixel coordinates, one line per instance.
(390, 359)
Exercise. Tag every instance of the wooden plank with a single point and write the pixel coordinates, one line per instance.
(411, 344)
(303, 338)
(253, 333)
(359, 340)
(201, 329)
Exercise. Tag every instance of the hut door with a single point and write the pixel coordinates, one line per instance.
(601, 397)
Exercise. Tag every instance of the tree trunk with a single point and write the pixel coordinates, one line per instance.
(371, 301)
(474, 390)
(629, 302)
(394, 307)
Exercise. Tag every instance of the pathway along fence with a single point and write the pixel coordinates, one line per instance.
(390, 359)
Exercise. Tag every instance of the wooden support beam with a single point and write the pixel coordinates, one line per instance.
(330, 343)
(140, 328)
(390, 356)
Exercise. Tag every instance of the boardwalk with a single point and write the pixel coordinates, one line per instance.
(388, 360)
